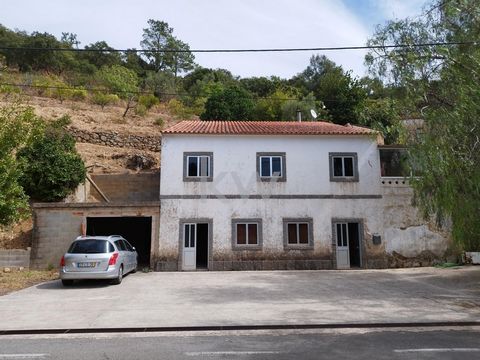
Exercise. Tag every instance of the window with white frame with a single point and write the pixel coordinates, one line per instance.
(246, 234)
(197, 166)
(271, 166)
(343, 167)
(298, 233)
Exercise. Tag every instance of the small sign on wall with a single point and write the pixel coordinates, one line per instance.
(376, 239)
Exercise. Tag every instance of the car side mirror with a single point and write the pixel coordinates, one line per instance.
(133, 247)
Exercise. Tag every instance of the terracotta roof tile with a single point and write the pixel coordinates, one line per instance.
(265, 128)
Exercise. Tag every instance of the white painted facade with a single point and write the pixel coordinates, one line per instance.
(308, 193)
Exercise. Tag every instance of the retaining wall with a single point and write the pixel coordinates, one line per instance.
(15, 258)
(114, 139)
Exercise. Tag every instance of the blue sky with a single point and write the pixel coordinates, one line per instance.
(221, 24)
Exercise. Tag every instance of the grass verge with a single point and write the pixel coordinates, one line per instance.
(17, 280)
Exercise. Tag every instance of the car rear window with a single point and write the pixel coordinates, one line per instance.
(90, 247)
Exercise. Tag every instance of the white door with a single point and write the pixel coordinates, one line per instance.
(189, 246)
(343, 251)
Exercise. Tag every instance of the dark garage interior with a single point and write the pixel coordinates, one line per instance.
(137, 230)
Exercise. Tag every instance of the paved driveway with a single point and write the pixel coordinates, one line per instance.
(250, 298)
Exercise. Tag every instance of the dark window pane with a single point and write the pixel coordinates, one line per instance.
(241, 234)
(204, 170)
(337, 166)
(303, 233)
(265, 166)
(129, 246)
(292, 233)
(88, 247)
(339, 235)
(344, 235)
(193, 228)
(120, 245)
(393, 162)
(252, 234)
(192, 166)
(276, 166)
(187, 236)
(348, 162)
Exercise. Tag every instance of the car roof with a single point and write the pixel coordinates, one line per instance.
(94, 237)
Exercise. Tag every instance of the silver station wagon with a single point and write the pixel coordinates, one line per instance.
(98, 257)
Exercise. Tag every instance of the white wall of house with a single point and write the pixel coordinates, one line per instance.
(384, 210)
(307, 164)
(272, 212)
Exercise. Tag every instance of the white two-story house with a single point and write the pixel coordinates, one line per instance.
(242, 195)
(254, 196)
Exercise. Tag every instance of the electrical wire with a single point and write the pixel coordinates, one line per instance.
(92, 89)
(324, 48)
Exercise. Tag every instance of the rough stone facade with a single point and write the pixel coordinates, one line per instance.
(115, 139)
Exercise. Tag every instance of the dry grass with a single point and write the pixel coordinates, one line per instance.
(17, 280)
(17, 236)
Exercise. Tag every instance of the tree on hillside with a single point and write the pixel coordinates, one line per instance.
(232, 103)
(70, 39)
(341, 94)
(121, 81)
(54, 61)
(101, 54)
(133, 61)
(18, 127)
(260, 86)
(444, 81)
(158, 39)
(383, 115)
(51, 166)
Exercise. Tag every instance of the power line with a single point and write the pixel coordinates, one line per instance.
(325, 48)
(138, 92)
(77, 87)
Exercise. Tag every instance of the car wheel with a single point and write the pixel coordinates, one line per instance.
(67, 282)
(119, 278)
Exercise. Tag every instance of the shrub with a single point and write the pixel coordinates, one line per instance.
(51, 167)
(54, 87)
(79, 93)
(140, 110)
(9, 89)
(103, 99)
(160, 122)
(148, 101)
(178, 109)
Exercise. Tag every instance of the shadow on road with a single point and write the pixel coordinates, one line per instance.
(80, 284)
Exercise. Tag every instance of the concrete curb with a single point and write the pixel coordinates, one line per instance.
(239, 328)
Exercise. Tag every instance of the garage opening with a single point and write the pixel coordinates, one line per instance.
(137, 230)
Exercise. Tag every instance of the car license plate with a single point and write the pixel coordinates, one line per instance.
(86, 264)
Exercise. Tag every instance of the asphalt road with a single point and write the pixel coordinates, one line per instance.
(438, 344)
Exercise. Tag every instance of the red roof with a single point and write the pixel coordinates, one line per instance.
(265, 128)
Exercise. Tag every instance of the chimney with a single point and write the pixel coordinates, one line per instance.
(299, 115)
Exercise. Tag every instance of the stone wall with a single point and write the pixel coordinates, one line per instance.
(115, 139)
(15, 258)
